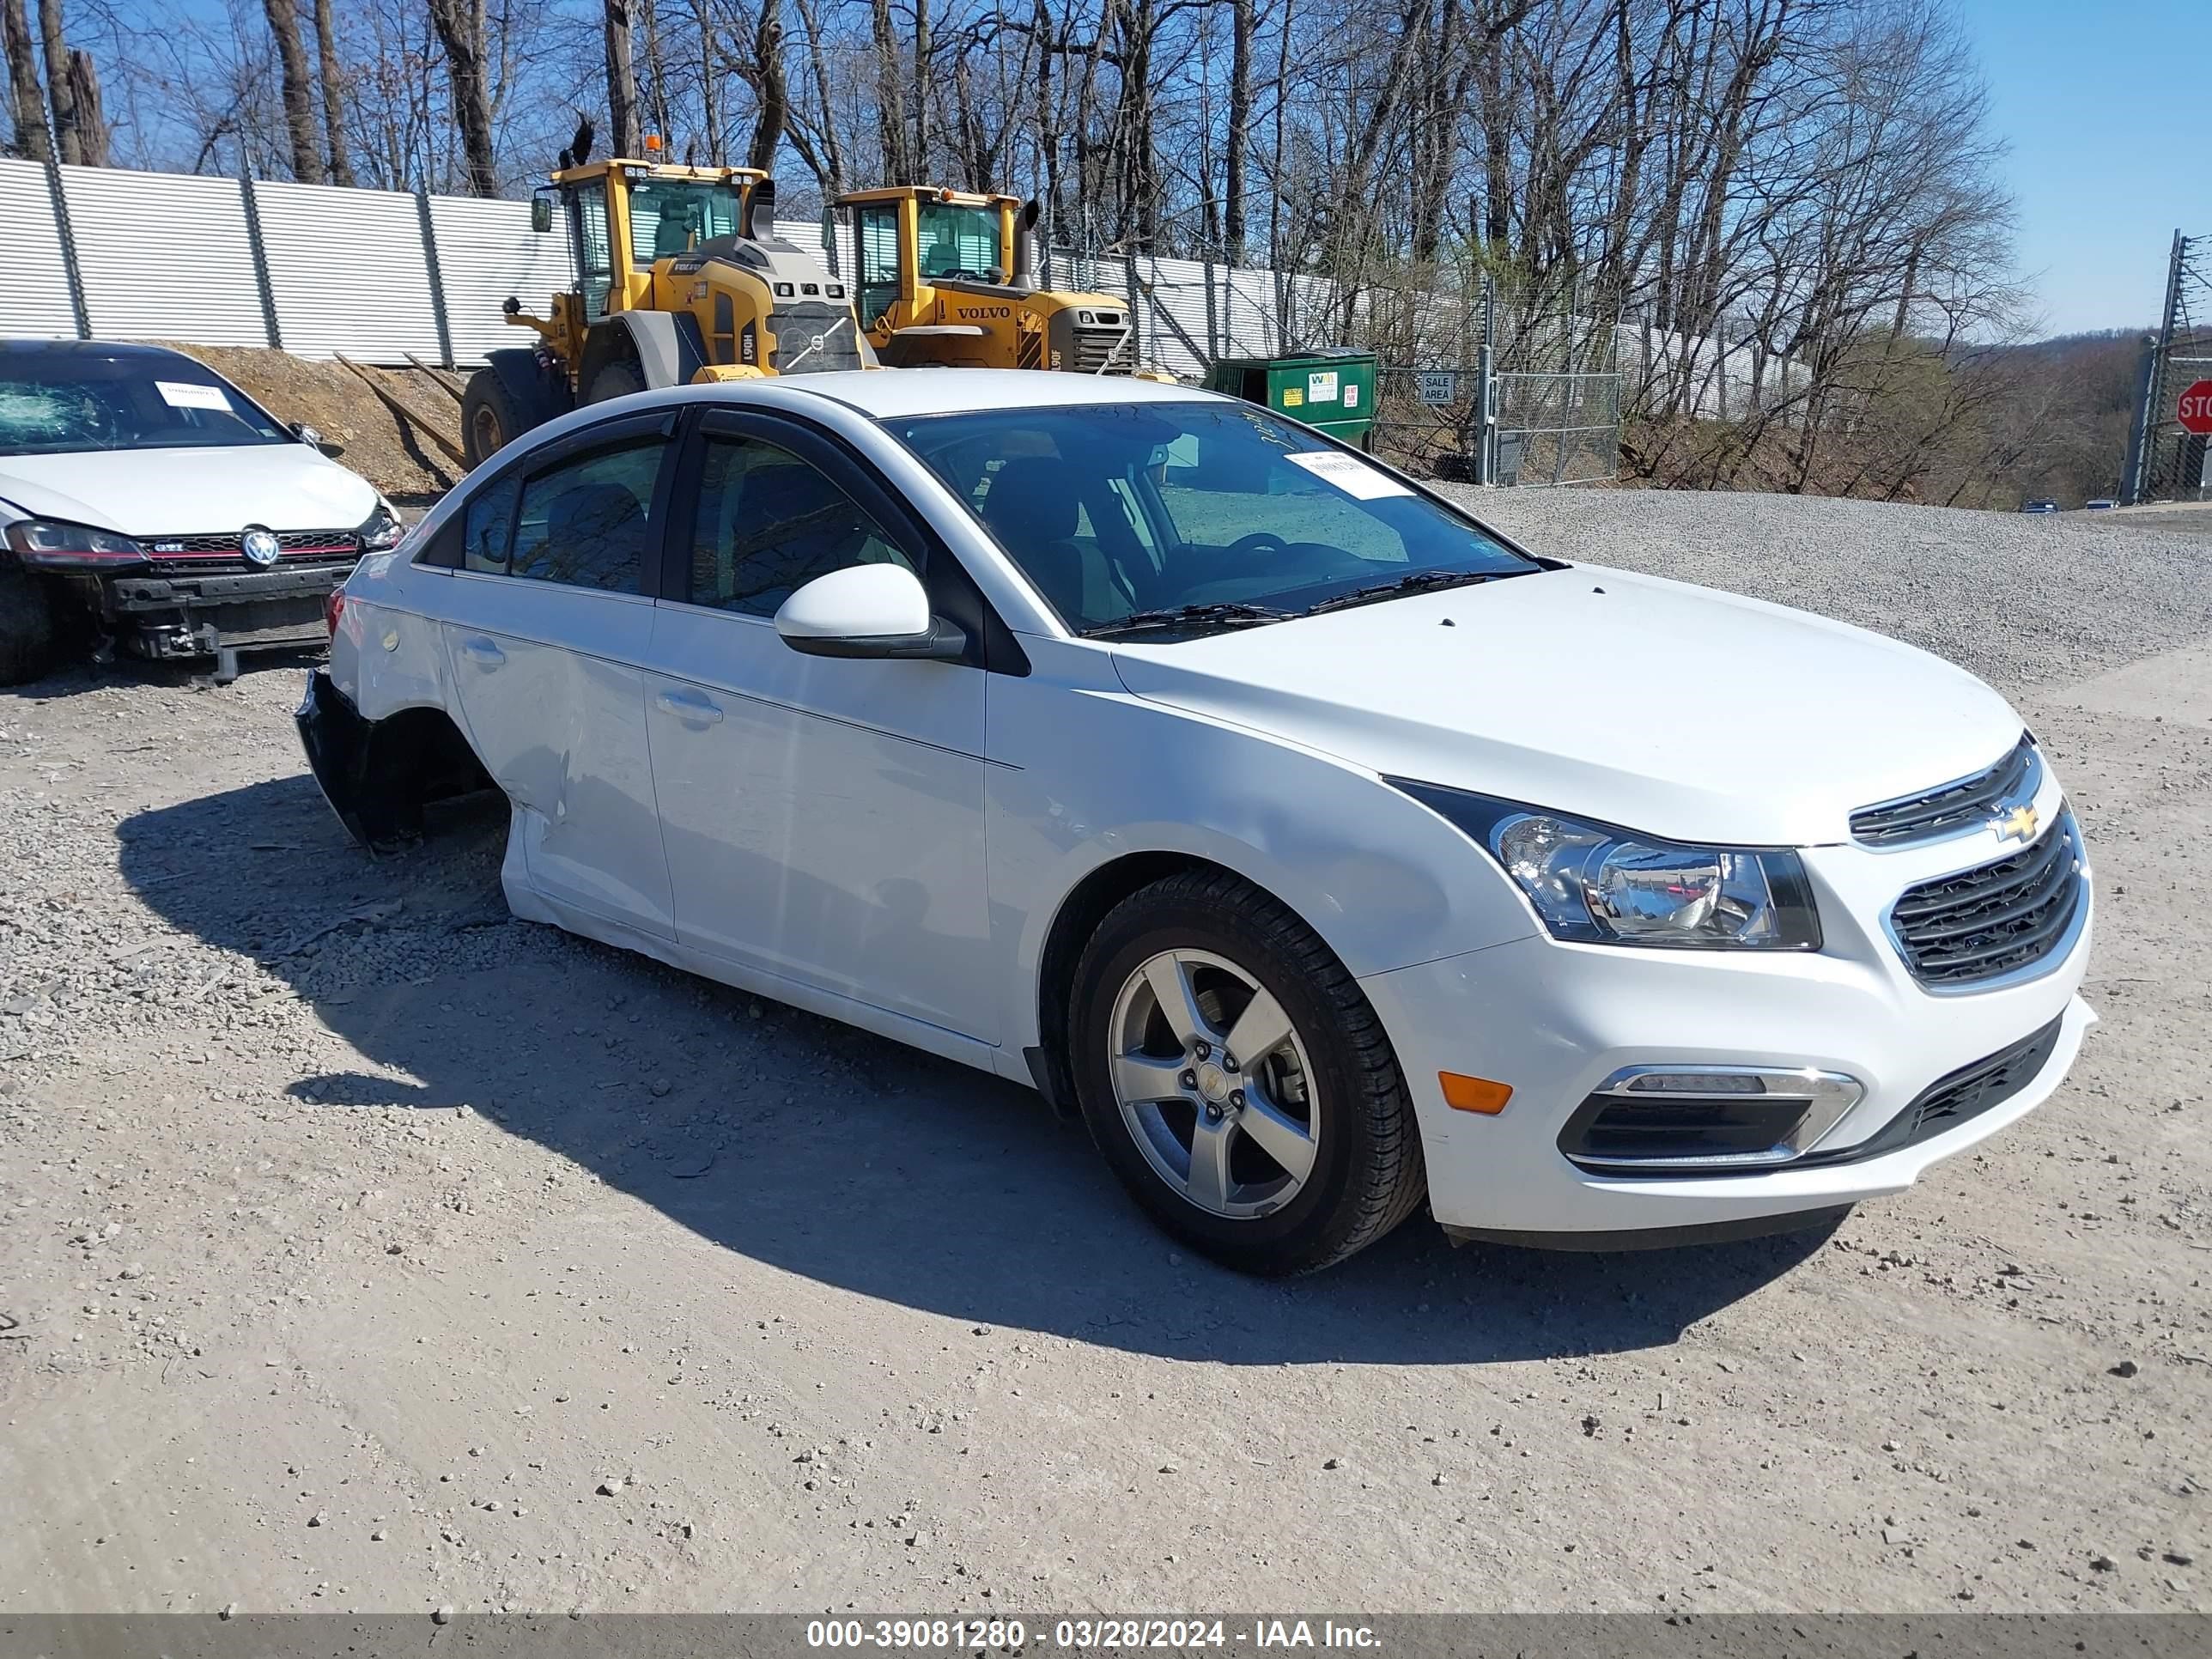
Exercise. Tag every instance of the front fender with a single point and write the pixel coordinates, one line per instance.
(1088, 774)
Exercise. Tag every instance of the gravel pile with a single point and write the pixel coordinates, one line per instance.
(2019, 600)
(362, 1248)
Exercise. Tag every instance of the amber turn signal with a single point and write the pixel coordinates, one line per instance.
(1475, 1094)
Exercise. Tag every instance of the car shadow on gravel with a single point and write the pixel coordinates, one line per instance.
(813, 1147)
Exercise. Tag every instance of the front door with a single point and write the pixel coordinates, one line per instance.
(547, 634)
(823, 816)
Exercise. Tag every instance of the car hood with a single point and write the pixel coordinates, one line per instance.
(1673, 709)
(183, 492)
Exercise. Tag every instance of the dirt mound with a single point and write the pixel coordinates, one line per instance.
(399, 459)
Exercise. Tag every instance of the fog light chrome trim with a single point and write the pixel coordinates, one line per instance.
(1828, 1097)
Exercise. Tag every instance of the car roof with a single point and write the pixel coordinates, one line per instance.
(893, 394)
(113, 351)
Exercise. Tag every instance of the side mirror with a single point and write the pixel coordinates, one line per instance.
(307, 434)
(541, 213)
(867, 611)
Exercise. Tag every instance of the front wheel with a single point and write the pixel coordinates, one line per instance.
(490, 418)
(30, 629)
(1236, 1080)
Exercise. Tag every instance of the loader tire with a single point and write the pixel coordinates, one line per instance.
(30, 631)
(616, 380)
(489, 419)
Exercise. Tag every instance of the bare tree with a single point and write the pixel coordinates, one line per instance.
(623, 138)
(816, 136)
(326, 56)
(460, 29)
(919, 163)
(283, 17)
(26, 99)
(890, 102)
(710, 96)
(61, 95)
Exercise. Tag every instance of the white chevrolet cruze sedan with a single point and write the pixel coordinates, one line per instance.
(1325, 850)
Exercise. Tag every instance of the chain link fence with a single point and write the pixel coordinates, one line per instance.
(1512, 398)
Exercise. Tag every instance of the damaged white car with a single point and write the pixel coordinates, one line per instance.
(1327, 852)
(147, 504)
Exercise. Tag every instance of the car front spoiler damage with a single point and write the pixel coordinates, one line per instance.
(167, 617)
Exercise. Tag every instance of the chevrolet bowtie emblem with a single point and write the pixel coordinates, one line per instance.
(2019, 825)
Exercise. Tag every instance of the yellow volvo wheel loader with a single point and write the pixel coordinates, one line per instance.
(680, 277)
(944, 278)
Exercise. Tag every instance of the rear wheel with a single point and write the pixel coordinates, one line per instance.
(489, 419)
(1237, 1080)
(31, 631)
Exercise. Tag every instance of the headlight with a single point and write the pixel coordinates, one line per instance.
(1602, 885)
(383, 530)
(55, 544)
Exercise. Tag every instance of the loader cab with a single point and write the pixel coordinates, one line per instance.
(621, 216)
(909, 241)
(943, 278)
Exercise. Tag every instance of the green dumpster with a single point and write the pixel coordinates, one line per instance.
(1332, 390)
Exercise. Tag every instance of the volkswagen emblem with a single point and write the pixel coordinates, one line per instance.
(260, 547)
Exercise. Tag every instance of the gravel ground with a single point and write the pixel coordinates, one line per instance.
(362, 1248)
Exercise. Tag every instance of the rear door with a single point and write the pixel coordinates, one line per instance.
(547, 630)
(823, 816)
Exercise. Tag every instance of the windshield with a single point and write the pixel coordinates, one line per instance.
(1118, 512)
(55, 401)
(673, 216)
(959, 241)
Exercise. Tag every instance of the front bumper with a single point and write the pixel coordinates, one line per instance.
(169, 617)
(1556, 1021)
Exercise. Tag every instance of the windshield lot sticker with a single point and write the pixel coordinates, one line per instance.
(1354, 476)
(1320, 387)
(182, 394)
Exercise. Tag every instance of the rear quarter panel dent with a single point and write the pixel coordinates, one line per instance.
(389, 652)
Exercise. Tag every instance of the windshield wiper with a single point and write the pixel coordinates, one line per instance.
(1415, 581)
(1226, 612)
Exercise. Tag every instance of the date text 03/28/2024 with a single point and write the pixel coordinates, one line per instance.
(1167, 1635)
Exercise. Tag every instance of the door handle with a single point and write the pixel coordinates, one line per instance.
(484, 654)
(692, 710)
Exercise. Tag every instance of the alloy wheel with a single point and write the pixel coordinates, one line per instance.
(1214, 1083)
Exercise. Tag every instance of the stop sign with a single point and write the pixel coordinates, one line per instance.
(2195, 409)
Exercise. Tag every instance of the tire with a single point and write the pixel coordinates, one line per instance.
(617, 379)
(31, 632)
(1329, 1094)
(490, 418)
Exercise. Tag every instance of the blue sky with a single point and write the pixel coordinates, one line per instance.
(2104, 104)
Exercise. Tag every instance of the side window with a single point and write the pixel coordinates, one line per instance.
(586, 522)
(877, 232)
(770, 523)
(489, 531)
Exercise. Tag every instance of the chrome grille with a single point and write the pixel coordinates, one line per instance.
(1952, 808)
(813, 339)
(1103, 351)
(220, 551)
(1996, 919)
